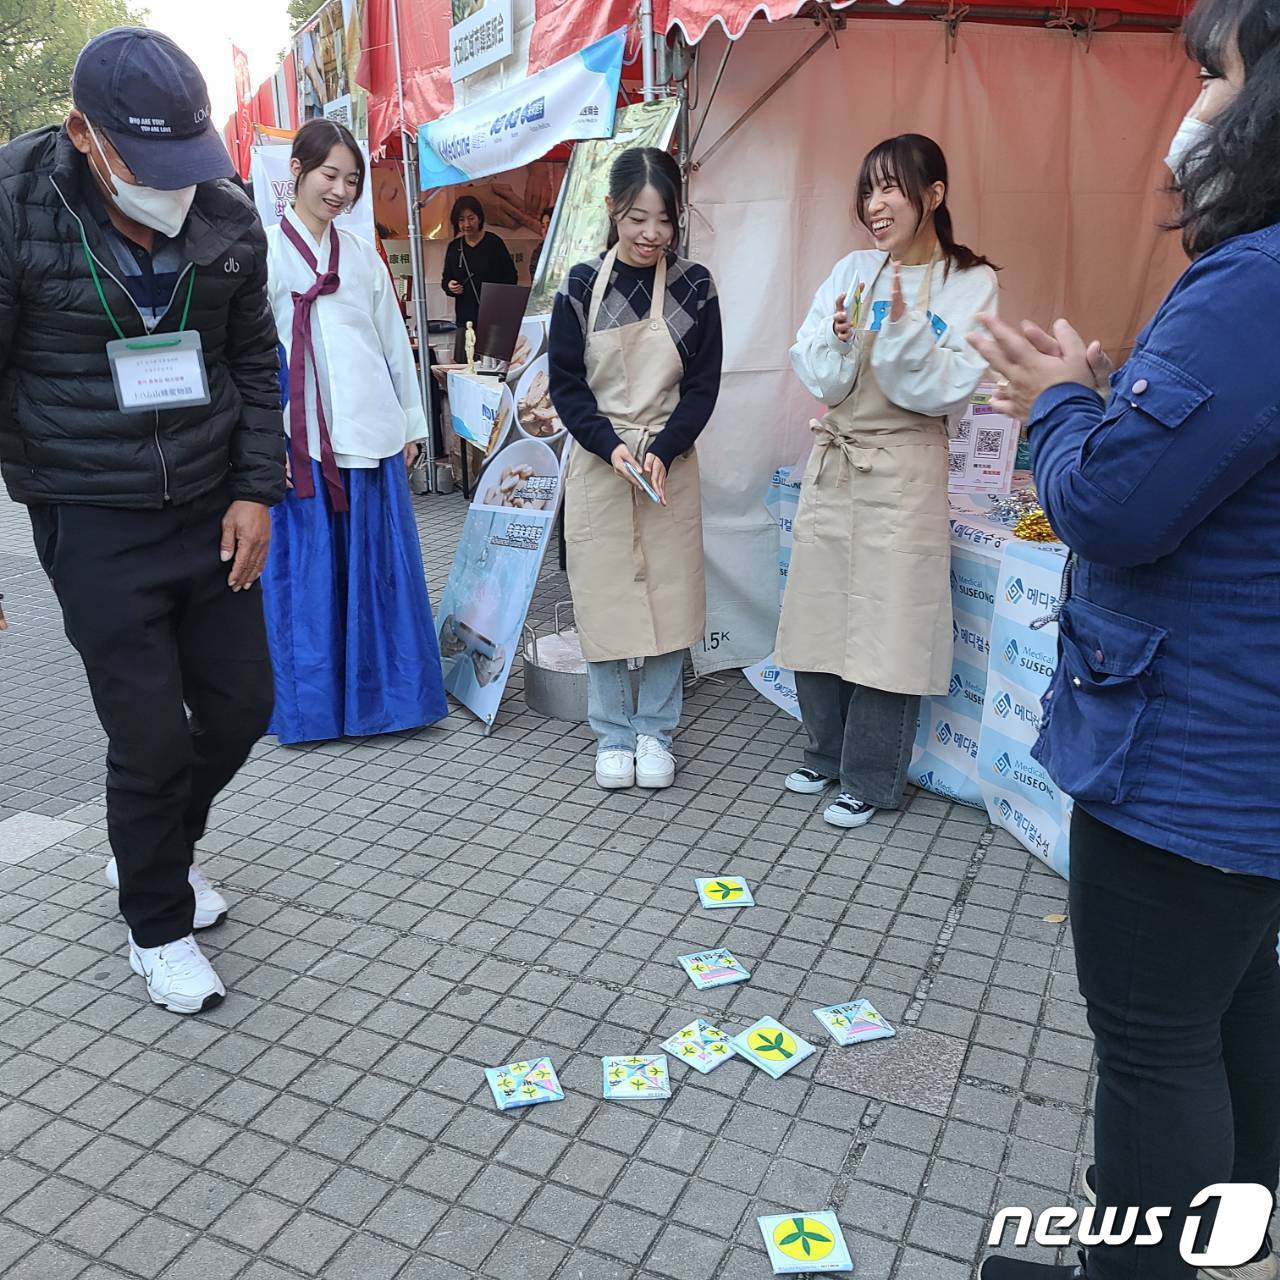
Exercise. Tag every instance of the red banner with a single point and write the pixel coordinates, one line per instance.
(244, 112)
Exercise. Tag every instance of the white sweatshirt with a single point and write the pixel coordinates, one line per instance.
(922, 362)
(372, 401)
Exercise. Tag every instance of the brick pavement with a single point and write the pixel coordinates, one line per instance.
(407, 910)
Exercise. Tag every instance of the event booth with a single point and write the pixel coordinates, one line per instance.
(1055, 121)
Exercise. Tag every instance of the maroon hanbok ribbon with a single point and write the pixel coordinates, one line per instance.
(301, 352)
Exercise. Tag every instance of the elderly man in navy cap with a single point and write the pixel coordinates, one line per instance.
(142, 429)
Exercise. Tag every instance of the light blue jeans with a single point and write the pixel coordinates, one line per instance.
(657, 710)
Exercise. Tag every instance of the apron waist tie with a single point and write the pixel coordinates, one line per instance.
(852, 453)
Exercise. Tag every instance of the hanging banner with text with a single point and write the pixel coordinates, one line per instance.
(571, 100)
(482, 34)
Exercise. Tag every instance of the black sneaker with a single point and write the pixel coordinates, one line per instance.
(848, 811)
(807, 782)
(1089, 1184)
(1003, 1268)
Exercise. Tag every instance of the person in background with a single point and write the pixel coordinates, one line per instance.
(475, 257)
(352, 640)
(536, 256)
(635, 352)
(866, 614)
(1160, 719)
(152, 524)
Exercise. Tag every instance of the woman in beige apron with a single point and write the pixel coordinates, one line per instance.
(634, 357)
(866, 617)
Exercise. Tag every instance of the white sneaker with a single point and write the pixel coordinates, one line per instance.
(1267, 1268)
(211, 906)
(807, 782)
(655, 765)
(615, 769)
(848, 811)
(178, 975)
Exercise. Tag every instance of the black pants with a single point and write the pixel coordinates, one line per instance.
(146, 604)
(861, 735)
(1177, 962)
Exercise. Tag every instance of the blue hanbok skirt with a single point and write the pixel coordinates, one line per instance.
(348, 619)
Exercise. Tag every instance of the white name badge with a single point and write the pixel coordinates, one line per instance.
(161, 371)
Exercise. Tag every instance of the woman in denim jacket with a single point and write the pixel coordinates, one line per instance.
(1163, 720)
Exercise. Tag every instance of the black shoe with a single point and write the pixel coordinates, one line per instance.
(1004, 1268)
(1089, 1184)
(808, 782)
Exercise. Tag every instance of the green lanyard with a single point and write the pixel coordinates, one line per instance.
(102, 297)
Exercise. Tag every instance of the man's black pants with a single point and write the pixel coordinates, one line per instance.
(146, 604)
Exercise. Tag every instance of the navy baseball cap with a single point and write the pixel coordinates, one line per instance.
(152, 102)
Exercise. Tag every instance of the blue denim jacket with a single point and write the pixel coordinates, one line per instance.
(1163, 719)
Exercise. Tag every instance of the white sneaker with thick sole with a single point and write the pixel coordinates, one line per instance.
(807, 782)
(848, 811)
(615, 770)
(655, 765)
(178, 976)
(211, 906)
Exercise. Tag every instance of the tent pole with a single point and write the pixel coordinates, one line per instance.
(409, 158)
(646, 50)
(791, 71)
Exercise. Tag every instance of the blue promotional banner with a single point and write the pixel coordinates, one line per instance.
(1019, 795)
(569, 101)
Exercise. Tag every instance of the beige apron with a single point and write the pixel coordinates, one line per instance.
(868, 595)
(635, 568)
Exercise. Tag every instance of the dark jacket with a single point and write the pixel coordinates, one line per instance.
(1161, 718)
(62, 438)
(489, 262)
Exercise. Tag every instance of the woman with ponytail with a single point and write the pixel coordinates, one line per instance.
(866, 617)
(1161, 718)
(635, 371)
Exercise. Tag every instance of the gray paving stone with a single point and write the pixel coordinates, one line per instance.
(397, 925)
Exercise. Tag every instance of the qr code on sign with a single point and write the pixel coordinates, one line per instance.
(988, 442)
(956, 463)
(962, 429)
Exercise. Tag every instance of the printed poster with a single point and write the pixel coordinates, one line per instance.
(508, 528)
(580, 225)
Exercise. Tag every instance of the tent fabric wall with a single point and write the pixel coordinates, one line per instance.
(696, 18)
(1056, 158)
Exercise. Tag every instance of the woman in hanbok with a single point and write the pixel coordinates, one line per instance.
(352, 640)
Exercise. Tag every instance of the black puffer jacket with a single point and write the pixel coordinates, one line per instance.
(62, 438)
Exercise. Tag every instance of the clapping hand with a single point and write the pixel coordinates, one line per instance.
(898, 304)
(1027, 371)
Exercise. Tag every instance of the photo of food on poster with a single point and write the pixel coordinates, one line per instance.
(482, 611)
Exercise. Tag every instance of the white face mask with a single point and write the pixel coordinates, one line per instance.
(1191, 133)
(163, 211)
